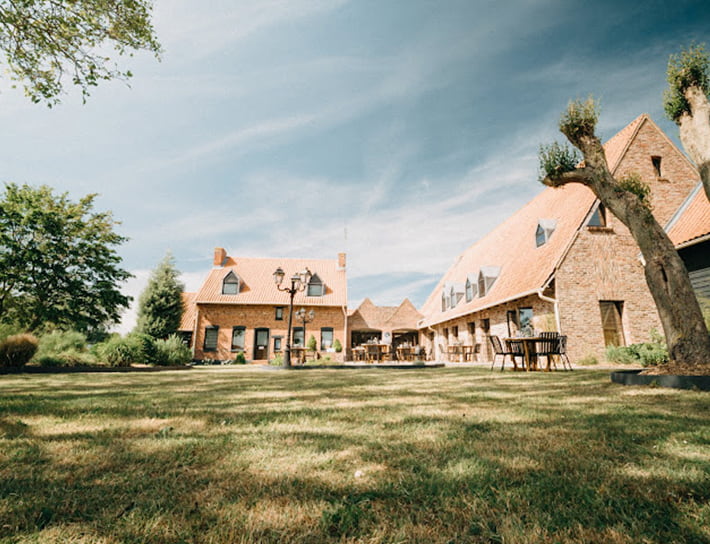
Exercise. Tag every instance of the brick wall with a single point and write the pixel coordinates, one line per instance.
(260, 316)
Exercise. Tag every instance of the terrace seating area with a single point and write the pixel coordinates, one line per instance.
(530, 349)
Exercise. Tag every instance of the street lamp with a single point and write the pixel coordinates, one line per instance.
(299, 281)
(305, 317)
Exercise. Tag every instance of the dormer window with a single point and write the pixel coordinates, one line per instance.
(471, 288)
(598, 218)
(486, 278)
(316, 287)
(656, 161)
(230, 284)
(444, 301)
(545, 228)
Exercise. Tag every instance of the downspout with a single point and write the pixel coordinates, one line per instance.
(346, 341)
(555, 306)
(194, 331)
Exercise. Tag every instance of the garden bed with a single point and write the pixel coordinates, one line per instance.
(634, 377)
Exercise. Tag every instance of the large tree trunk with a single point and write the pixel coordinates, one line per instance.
(666, 275)
(695, 133)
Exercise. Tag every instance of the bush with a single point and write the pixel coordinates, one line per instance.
(589, 360)
(337, 346)
(9, 329)
(148, 349)
(171, 352)
(277, 361)
(17, 350)
(621, 355)
(63, 348)
(645, 354)
(121, 352)
(312, 344)
(240, 359)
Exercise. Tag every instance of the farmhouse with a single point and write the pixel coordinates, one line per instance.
(562, 263)
(238, 309)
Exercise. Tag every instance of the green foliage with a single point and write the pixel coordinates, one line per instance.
(59, 267)
(63, 348)
(278, 360)
(645, 354)
(686, 69)
(46, 42)
(632, 183)
(17, 350)
(146, 352)
(9, 329)
(240, 358)
(172, 352)
(589, 360)
(580, 119)
(312, 345)
(337, 346)
(160, 305)
(121, 352)
(555, 159)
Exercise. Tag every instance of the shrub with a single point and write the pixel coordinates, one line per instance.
(121, 352)
(147, 348)
(171, 352)
(337, 346)
(277, 361)
(621, 355)
(17, 350)
(312, 344)
(589, 360)
(63, 348)
(9, 329)
(240, 359)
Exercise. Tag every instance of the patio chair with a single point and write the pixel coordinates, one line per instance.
(373, 353)
(549, 347)
(562, 351)
(443, 352)
(499, 350)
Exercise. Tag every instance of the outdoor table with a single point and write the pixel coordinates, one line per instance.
(405, 353)
(359, 353)
(469, 352)
(529, 351)
(455, 353)
(299, 353)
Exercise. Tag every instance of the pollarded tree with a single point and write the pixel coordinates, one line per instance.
(44, 41)
(160, 305)
(627, 198)
(686, 103)
(58, 263)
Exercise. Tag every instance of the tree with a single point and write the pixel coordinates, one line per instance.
(160, 305)
(46, 41)
(58, 264)
(666, 276)
(686, 103)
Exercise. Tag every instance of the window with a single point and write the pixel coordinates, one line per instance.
(279, 313)
(656, 161)
(230, 284)
(444, 301)
(486, 278)
(238, 337)
(598, 218)
(277, 343)
(455, 332)
(326, 338)
(611, 311)
(481, 285)
(298, 337)
(446, 333)
(316, 288)
(469, 290)
(525, 318)
(486, 325)
(472, 329)
(211, 334)
(545, 228)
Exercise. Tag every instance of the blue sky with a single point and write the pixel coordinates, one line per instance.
(396, 131)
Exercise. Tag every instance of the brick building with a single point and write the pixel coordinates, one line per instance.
(562, 263)
(393, 325)
(239, 309)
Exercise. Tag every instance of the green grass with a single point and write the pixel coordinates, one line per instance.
(240, 455)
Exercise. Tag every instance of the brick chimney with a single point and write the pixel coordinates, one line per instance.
(341, 261)
(220, 256)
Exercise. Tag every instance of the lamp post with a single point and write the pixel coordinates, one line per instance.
(305, 317)
(299, 281)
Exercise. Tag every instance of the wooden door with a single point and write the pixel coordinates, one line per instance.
(261, 344)
(611, 322)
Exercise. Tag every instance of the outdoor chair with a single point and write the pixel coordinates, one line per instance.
(373, 353)
(562, 351)
(499, 350)
(549, 347)
(443, 352)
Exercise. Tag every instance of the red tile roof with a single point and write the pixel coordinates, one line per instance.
(189, 312)
(692, 221)
(256, 282)
(384, 318)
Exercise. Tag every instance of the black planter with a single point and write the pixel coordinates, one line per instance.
(632, 377)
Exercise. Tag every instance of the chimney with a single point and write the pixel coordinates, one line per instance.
(341, 261)
(220, 255)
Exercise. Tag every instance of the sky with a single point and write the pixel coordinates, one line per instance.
(399, 132)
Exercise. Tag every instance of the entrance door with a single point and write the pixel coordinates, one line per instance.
(261, 344)
(611, 311)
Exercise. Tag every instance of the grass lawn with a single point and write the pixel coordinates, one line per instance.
(461, 455)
